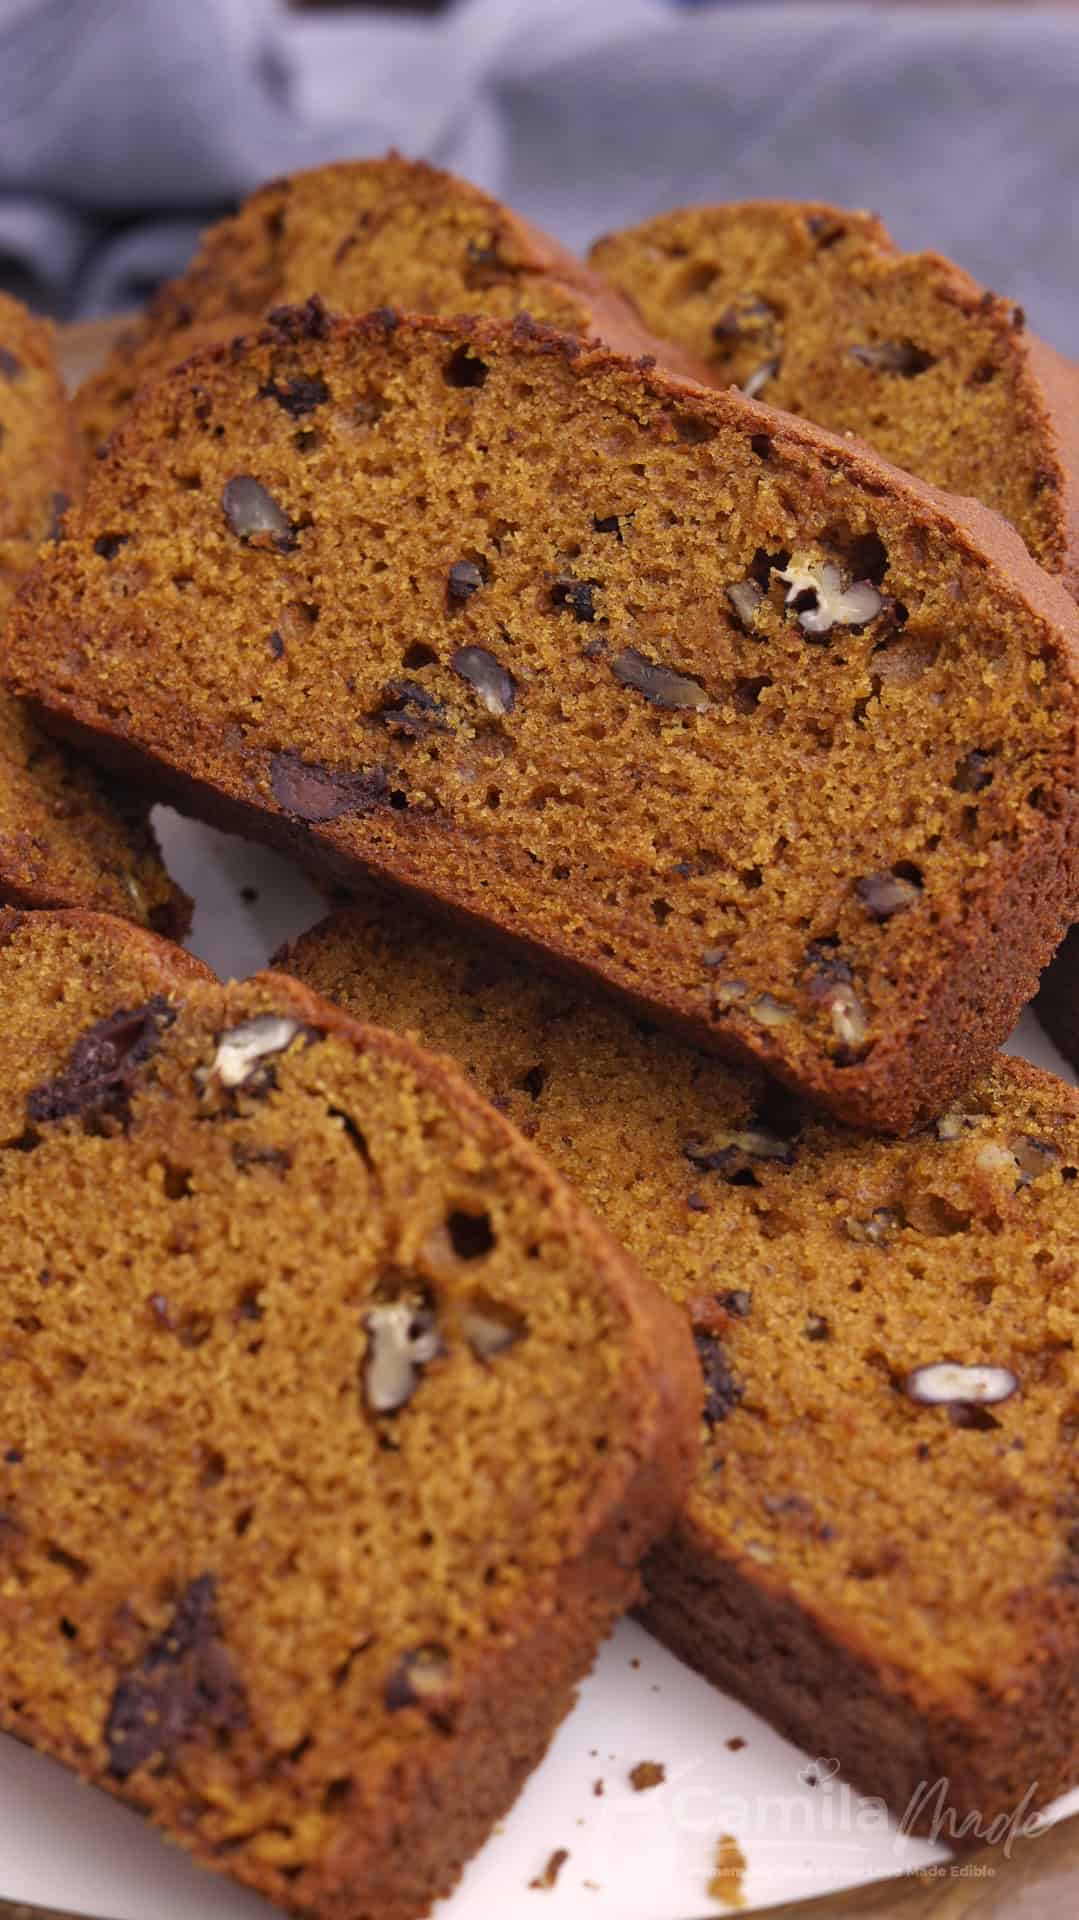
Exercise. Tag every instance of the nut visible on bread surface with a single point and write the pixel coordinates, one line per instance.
(884, 1330)
(597, 752)
(276, 1453)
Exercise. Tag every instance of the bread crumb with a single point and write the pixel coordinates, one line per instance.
(636, 1664)
(597, 1788)
(736, 1743)
(731, 1864)
(544, 1881)
(592, 1885)
(647, 1773)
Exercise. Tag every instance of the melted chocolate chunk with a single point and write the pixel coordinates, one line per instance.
(738, 1301)
(184, 1687)
(307, 322)
(317, 794)
(107, 545)
(409, 711)
(610, 523)
(298, 396)
(722, 1391)
(423, 1679)
(103, 1064)
(577, 595)
(464, 579)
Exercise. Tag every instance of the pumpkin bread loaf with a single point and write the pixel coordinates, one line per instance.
(333, 1428)
(881, 1547)
(681, 692)
(816, 310)
(62, 841)
(362, 234)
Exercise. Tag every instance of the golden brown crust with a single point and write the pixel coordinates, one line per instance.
(373, 1808)
(165, 963)
(39, 467)
(813, 293)
(891, 1583)
(995, 921)
(364, 234)
(1058, 380)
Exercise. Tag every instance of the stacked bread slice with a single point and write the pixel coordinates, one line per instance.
(879, 1547)
(719, 780)
(334, 1428)
(65, 840)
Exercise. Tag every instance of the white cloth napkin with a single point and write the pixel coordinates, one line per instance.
(125, 124)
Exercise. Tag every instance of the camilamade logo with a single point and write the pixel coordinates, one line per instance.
(928, 1814)
(830, 1811)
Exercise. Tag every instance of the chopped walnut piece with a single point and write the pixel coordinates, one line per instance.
(402, 1337)
(1034, 1157)
(724, 1151)
(746, 597)
(659, 684)
(885, 894)
(490, 1329)
(420, 1679)
(817, 595)
(242, 1050)
(770, 1012)
(946, 1383)
(759, 378)
(893, 356)
(493, 682)
(953, 1124)
(728, 991)
(877, 1231)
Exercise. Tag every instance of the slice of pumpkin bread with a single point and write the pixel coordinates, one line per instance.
(676, 689)
(362, 234)
(816, 310)
(63, 841)
(333, 1427)
(880, 1551)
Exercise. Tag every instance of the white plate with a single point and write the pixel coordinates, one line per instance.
(632, 1856)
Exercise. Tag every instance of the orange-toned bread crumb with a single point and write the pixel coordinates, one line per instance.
(362, 234)
(880, 1550)
(815, 309)
(333, 1428)
(676, 689)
